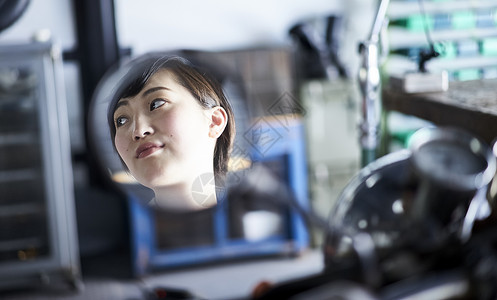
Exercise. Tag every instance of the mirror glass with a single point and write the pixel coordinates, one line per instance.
(259, 134)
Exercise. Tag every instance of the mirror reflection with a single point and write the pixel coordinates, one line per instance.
(172, 127)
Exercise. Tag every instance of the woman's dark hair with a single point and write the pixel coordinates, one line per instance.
(204, 88)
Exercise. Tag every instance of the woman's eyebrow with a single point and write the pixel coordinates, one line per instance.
(154, 89)
(121, 103)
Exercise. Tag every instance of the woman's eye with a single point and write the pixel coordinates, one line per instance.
(121, 121)
(156, 104)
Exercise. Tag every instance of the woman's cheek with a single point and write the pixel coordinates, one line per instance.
(121, 148)
(170, 125)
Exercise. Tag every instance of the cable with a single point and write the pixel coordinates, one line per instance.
(425, 56)
(425, 22)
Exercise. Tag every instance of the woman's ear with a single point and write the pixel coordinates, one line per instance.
(219, 119)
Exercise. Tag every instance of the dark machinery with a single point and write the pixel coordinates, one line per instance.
(416, 223)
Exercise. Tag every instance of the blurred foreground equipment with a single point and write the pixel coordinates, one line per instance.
(418, 223)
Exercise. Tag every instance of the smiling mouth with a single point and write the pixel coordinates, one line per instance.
(147, 149)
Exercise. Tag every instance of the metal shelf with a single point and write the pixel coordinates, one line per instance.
(9, 139)
(37, 218)
(13, 245)
(21, 209)
(399, 38)
(18, 175)
(399, 64)
(403, 9)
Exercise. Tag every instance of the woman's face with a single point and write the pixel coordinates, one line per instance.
(163, 134)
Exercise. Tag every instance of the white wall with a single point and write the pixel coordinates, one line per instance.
(147, 25)
(212, 25)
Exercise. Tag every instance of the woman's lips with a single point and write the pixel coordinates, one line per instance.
(147, 149)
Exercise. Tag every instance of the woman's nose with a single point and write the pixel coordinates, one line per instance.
(142, 128)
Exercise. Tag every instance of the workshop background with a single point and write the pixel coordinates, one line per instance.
(62, 220)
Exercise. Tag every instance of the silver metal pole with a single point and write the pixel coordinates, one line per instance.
(369, 83)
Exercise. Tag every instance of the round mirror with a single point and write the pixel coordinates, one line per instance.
(164, 129)
(11, 11)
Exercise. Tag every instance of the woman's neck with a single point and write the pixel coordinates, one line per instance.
(196, 195)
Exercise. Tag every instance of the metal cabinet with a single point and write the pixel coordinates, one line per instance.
(38, 237)
(463, 32)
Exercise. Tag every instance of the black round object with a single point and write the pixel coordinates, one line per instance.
(409, 204)
(374, 201)
(452, 158)
(11, 11)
